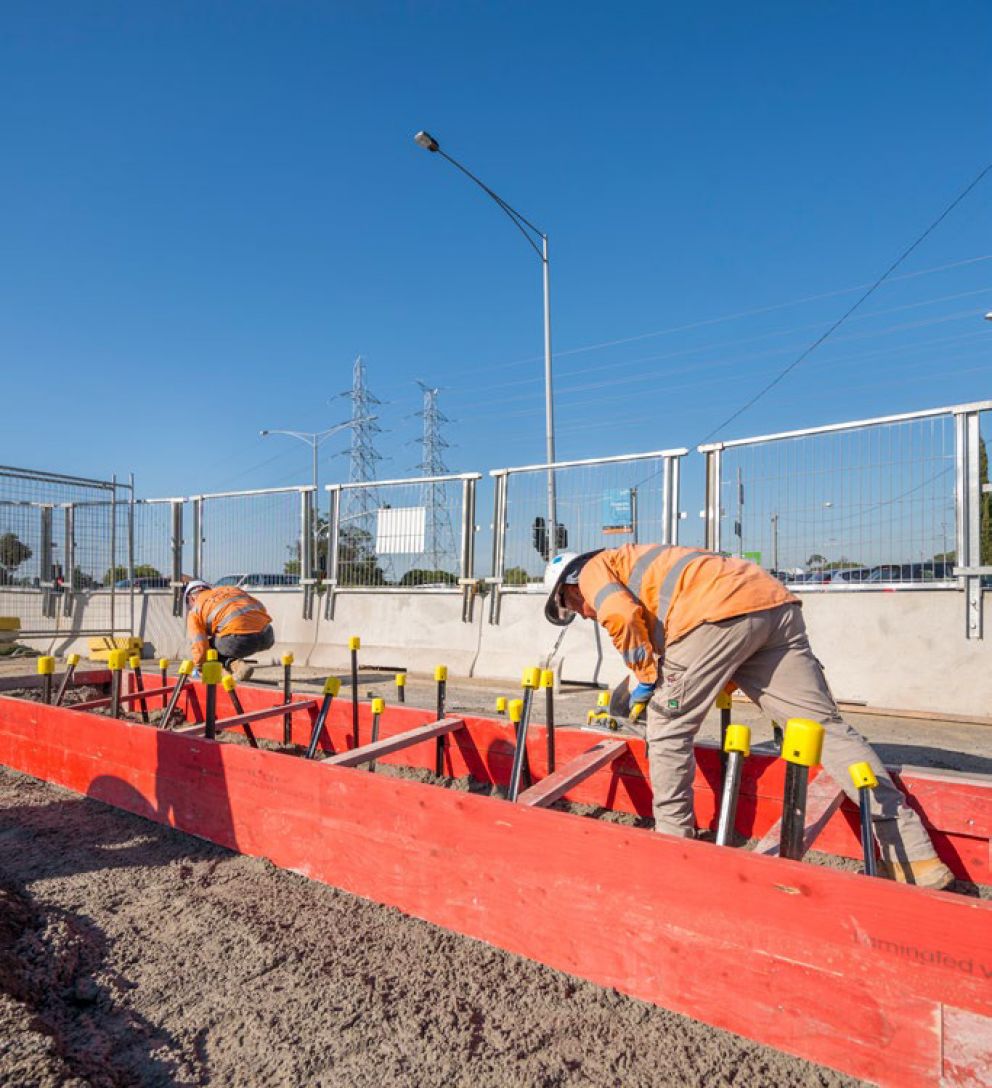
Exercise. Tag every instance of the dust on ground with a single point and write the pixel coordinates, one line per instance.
(132, 954)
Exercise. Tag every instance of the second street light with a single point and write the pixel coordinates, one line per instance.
(531, 234)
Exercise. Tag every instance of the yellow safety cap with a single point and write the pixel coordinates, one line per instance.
(636, 711)
(515, 708)
(738, 739)
(378, 706)
(803, 742)
(228, 683)
(212, 672)
(401, 679)
(603, 699)
(185, 667)
(723, 701)
(116, 659)
(500, 704)
(135, 661)
(163, 662)
(287, 659)
(72, 659)
(441, 673)
(354, 643)
(212, 655)
(332, 685)
(862, 776)
(46, 666)
(531, 678)
(547, 678)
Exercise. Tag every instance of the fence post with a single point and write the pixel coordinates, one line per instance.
(113, 555)
(70, 558)
(176, 545)
(967, 499)
(466, 577)
(333, 521)
(307, 500)
(714, 459)
(130, 552)
(670, 500)
(46, 563)
(499, 545)
(197, 537)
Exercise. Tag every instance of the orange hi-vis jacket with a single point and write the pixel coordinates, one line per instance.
(225, 610)
(650, 595)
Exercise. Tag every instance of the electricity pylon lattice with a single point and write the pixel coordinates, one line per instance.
(439, 537)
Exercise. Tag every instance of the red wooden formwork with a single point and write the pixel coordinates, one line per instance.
(888, 983)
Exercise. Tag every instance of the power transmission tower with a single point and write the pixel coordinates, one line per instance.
(439, 538)
(361, 501)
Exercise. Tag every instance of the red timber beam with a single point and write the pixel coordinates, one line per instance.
(368, 752)
(556, 785)
(823, 799)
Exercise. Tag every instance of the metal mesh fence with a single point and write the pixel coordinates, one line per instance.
(864, 506)
(153, 550)
(598, 503)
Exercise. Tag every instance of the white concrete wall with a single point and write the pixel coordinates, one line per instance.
(901, 649)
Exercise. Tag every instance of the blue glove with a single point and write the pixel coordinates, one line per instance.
(641, 694)
(195, 674)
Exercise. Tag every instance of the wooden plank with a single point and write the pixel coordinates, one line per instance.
(556, 785)
(967, 1049)
(126, 697)
(395, 743)
(91, 678)
(823, 798)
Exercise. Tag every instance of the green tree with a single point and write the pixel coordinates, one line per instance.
(515, 576)
(118, 574)
(816, 561)
(421, 577)
(13, 552)
(82, 580)
(292, 565)
(984, 507)
(357, 560)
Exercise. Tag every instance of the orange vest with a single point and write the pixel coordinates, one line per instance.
(225, 610)
(651, 595)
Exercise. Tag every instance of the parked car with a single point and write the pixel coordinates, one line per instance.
(144, 583)
(849, 575)
(258, 581)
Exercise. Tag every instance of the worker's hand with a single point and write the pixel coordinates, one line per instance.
(642, 694)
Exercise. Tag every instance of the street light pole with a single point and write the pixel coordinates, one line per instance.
(530, 233)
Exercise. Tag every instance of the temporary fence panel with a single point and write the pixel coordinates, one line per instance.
(883, 503)
(411, 534)
(64, 542)
(576, 506)
(158, 547)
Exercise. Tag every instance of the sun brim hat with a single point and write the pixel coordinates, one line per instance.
(563, 570)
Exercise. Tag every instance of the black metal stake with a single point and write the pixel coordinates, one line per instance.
(228, 683)
(116, 668)
(737, 746)
(441, 676)
(865, 781)
(801, 749)
(548, 683)
(211, 677)
(185, 669)
(723, 705)
(139, 683)
(71, 662)
(46, 669)
(332, 685)
(354, 645)
(163, 671)
(401, 687)
(520, 749)
(287, 679)
(378, 706)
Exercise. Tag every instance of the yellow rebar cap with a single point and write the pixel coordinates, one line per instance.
(228, 683)
(401, 679)
(135, 661)
(803, 742)
(547, 678)
(332, 685)
(723, 701)
(212, 672)
(738, 739)
(603, 699)
(862, 776)
(354, 643)
(163, 662)
(186, 667)
(212, 655)
(72, 659)
(46, 666)
(500, 704)
(531, 678)
(287, 659)
(378, 706)
(515, 708)
(441, 673)
(116, 659)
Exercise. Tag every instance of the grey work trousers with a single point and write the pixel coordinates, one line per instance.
(235, 647)
(767, 654)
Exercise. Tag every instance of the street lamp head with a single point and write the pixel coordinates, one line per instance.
(988, 316)
(426, 141)
(262, 434)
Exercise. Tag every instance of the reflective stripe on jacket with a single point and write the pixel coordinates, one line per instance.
(225, 610)
(650, 595)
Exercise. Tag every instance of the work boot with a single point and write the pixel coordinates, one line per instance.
(929, 873)
(241, 671)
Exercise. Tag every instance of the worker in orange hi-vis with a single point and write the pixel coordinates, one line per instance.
(228, 620)
(687, 623)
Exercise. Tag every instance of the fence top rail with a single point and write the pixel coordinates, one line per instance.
(369, 484)
(153, 502)
(852, 425)
(60, 478)
(256, 491)
(680, 452)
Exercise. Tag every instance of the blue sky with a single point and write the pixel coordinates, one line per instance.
(209, 209)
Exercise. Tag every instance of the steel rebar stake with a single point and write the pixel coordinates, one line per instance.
(354, 645)
(865, 781)
(115, 659)
(441, 678)
(332, 685)
(401, 687)
(228, 683)
(723, 704)
(531, 678)
(737, 746)
(287, 681)
(801, 748)
(163, 673)
(501, 702)
(46, 670)
(378, 706)
(185, 672)
(70, 671)
(139, 683)
(212, 673)
(548, 683)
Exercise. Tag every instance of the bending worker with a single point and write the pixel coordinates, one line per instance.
(687, 622)
(229, 621)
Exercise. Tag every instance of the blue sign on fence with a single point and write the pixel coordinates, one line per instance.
(618, 515)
